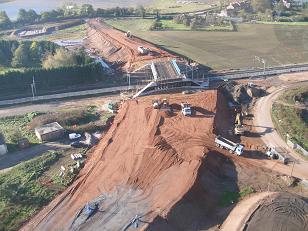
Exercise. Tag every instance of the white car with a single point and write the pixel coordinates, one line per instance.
(74, 136)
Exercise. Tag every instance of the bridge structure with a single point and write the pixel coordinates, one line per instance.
(167, 76)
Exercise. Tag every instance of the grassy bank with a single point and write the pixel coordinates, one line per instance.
(278, 44)
(22, 194)
(291, 117)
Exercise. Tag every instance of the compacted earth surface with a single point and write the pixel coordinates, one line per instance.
(160, 170)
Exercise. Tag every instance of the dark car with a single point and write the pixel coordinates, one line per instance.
(78, 144)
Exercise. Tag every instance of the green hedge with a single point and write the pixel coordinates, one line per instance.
(15, 82)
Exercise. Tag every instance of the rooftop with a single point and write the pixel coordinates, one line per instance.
(48, 128)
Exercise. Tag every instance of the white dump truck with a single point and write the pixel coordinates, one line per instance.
(229, 145)
(186, 109)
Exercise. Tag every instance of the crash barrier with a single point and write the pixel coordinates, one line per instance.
(297, 147)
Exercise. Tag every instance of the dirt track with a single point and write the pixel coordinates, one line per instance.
(144, 149)
(117, 49)
(269, 211)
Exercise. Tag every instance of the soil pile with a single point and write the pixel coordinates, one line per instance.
(241, 93)
(154, 159)
(285, 212)
(120, 50)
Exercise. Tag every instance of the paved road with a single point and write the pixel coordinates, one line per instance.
(12, 159)
(56, 105)
(67, 95)
(263, 121)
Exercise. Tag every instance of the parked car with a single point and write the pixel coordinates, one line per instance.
(78, 144)
(74, 136)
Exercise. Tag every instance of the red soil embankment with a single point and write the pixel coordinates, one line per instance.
(143, 149)
(116, 48)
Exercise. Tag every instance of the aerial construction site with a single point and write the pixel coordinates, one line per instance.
(179, 159)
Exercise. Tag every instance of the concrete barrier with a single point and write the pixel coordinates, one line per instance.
(297, 147)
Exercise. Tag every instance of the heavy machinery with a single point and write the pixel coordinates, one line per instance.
(142, 50)
(165, 104)
(238, 125)
(277, 154)
(186, 109)
(113, 107)
(128, 34)
(156, 104)
(229, 145)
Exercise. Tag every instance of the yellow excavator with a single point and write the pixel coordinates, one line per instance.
(238, 125)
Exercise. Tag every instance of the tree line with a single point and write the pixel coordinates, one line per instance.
(27, 54)
(16, 82)
(26, 17)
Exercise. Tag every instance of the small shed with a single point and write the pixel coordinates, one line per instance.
(49, 132)
(3, 147)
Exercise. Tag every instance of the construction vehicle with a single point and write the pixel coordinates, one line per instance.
(156, 104)
(238, 125)
(128, 34)
(229, 145)
(186, 109)
(165, 105)
(277, 154)
(142, 50)
(113, 107)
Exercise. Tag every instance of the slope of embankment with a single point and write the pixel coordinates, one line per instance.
(145, 165)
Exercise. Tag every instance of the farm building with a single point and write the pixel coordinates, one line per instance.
(49, 132)
(3, 147)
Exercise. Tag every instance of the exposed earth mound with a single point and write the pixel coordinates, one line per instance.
(284, 212)
(120, 50)
(143, 166)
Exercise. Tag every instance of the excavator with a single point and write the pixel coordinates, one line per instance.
(238, 125)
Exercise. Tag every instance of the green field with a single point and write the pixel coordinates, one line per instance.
(277, 44)
(291, 117)
(284, 23)
(75, 32)
(171, 6)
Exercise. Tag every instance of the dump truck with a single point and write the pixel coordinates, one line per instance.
(229, 145)
(186, 109)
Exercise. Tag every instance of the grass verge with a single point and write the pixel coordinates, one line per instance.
(21, 194)
(290, 118)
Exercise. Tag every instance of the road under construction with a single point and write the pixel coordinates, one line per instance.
(159, 170)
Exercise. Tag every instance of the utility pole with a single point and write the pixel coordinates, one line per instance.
(261, 60)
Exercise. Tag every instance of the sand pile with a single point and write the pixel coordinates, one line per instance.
(157, 156)
(119, 50)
